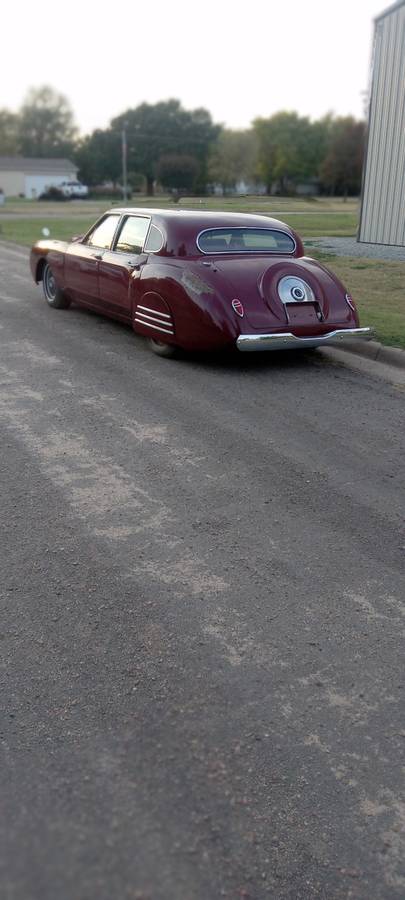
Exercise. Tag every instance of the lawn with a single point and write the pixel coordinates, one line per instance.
(376, 285)
(28, 230)
(265, 205)
(23, 220)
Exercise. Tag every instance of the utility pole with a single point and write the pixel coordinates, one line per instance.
(124, 162)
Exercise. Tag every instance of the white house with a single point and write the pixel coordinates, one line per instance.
(23, 177)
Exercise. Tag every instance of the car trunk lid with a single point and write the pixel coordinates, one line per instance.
(254, 281)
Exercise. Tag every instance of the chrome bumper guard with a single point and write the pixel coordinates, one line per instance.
(288, 341)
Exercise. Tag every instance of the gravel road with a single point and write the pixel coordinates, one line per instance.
(349, 246)
(202, 618)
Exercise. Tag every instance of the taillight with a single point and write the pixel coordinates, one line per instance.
(237, 307)
(350, 302)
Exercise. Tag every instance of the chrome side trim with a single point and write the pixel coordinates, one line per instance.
(156, 327)
(153, 318)
(288, 341)
(156, 311)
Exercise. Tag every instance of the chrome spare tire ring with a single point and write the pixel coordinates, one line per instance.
(293, 289)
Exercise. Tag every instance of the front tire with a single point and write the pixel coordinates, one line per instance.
(53, 295)
(169, 351)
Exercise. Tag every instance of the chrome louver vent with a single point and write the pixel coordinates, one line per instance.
(155, 319)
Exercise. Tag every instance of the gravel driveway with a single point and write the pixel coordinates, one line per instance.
(349, 246)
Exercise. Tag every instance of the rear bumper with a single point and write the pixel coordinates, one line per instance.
(288, 341)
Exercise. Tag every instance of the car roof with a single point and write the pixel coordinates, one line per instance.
(202, 217)
(181, 227)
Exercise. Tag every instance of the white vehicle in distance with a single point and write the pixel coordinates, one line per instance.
(73, 189)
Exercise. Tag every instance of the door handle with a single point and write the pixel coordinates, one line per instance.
(97, 255)
(133, 266)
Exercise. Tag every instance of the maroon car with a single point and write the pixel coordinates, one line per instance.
(199, 281)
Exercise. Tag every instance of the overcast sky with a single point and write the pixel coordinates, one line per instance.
(240, 60)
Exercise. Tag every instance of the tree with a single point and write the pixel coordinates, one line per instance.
(177, 172)
(45, 124)
(162, 129)
(290, 148)
(99, 157)
(8, 133)
(341, 169)
(233, 158)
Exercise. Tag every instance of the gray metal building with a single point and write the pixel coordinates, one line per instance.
(382, 218)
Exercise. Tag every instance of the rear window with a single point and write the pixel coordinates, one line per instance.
(245, 240)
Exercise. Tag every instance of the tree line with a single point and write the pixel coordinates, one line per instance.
(184, 150)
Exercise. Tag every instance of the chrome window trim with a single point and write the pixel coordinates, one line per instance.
(147, 236)
(124, 218)
(244, 228)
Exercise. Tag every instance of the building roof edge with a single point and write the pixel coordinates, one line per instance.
(390, 9)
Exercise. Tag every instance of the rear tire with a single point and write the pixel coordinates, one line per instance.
(53, 295)
(169, 351)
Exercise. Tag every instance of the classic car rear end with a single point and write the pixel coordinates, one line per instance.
(290, 304)
(284, 299)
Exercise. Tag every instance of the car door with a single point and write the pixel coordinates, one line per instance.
(123, 263)
(83, 258)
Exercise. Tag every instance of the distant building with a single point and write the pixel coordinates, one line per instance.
(382, 217)
(23, 177)
(240, 189)
(244, 188)
(309, 188)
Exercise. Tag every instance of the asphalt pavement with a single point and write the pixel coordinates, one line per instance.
(202, 618)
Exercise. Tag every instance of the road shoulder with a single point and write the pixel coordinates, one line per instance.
(367, 364)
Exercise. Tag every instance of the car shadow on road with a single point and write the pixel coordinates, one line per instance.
(228, 359)
(272, 360)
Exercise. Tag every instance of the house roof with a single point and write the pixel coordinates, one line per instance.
(389, 10)
(36, 166)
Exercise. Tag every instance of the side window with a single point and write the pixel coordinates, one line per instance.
(103, 233)
(132, 235)
(155, 240)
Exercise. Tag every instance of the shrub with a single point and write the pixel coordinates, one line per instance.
(52, 193)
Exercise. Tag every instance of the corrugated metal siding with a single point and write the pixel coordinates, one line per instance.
(383, 206)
